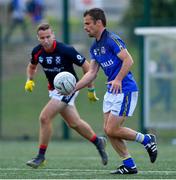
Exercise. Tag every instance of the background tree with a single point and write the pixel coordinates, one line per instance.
(149, 13)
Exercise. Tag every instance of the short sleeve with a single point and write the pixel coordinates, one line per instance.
(33, 60)
(75, 56)
(35, 55)
(116, 44)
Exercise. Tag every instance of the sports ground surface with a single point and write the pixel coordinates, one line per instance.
(80, 160)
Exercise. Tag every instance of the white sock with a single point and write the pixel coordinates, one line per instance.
(139, 137)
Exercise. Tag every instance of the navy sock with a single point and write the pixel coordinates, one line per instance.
(42, 150)
(95, 140)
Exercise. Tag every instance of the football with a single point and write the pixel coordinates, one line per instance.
(64, 83)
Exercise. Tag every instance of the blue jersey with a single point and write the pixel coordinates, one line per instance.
(104, 52)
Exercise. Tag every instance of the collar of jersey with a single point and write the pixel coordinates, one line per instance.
(102, 35)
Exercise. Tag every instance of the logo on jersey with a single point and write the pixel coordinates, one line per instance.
(49, 59)
(53, 69)
(79, 57)
(103, 50)
(40, 59)
(58, 60)
(97, 51)
(107, 63)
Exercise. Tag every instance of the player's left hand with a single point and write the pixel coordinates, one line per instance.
(116, 86)
(92, 95)
(29, 86)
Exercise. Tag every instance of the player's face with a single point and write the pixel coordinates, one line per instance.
(46, 38)
(91, 27)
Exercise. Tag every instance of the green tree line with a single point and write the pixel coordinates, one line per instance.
(149, 13)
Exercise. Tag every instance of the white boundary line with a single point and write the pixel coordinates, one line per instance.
(81, 170)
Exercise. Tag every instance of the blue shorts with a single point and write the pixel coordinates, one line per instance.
(122, 104)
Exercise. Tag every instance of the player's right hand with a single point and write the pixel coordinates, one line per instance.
(29, 86)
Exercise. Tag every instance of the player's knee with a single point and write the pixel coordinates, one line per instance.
(108, 131)
(75, 124)
(72, 125)
(44, 120)
(111, 132)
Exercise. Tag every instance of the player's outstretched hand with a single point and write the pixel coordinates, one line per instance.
(92, 95)
(29, 86)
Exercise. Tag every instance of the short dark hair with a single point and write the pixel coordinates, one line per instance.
(43, 27)
(96, 14)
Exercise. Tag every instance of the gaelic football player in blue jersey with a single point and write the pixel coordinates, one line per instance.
(109, 52)
(55, 57)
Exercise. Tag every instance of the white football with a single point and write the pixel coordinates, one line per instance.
(64, 83)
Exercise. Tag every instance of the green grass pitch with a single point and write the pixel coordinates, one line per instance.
(80, 160)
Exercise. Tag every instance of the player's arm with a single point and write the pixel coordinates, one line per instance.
(125, 56)
(91, 88)
(30, 72)
(89, 76)
(85, 68)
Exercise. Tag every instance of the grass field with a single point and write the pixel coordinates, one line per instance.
(79, 160)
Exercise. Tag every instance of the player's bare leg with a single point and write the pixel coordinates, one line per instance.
(46, 117)
(117, 134)
(114, 128)
(71, 116)
(52, 108)
(74, 121)
(118, 143)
